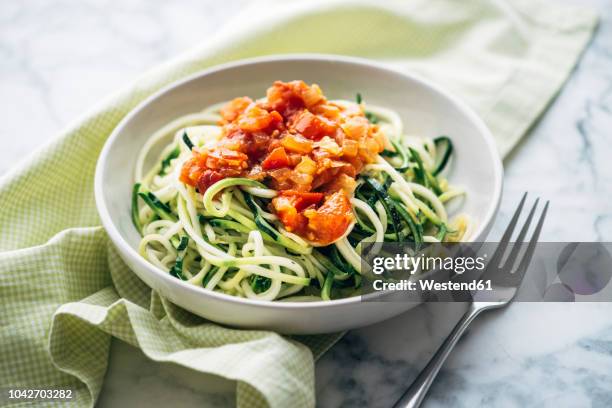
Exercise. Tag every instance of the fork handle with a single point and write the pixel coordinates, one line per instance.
(415, 394)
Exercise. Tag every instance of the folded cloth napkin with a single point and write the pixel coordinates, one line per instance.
(64, 292)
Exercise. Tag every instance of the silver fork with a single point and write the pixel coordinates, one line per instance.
(507, 281)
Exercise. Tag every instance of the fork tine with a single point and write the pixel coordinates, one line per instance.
(522, 268)
(503, 243)
(511, 260)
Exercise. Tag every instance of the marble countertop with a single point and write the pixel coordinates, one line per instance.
(59, 57)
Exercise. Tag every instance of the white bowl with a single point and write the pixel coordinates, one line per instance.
(425, 109)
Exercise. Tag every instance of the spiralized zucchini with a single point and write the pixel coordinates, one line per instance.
(226, 240)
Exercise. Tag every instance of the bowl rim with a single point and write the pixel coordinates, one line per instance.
(118, 239)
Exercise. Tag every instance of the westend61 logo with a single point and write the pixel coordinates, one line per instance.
(558, 272)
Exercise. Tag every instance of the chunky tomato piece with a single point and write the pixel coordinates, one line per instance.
(234, 108)
(329, 222)
(208, 178)
(342, 182)
(328, 111)
(292, 219)
(290, 204)
(276, 159)
(281, 98)
(350, 148)
(297, 144)
(255, 118)
(288, 97)
(206, 168)
(300, 200)
(223, 157)
(299, 213)
(191, 170)
(312, 126)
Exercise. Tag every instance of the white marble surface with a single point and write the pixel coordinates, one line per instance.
(59, 57)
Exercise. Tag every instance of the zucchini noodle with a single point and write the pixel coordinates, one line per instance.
(228, 240)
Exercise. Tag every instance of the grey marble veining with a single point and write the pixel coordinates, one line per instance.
(59, 57)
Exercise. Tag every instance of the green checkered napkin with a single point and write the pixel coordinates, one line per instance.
(63, 290)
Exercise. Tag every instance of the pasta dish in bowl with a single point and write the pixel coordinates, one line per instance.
(245, 192)
(272, 198)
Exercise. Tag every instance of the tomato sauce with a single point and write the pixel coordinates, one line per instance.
(297, 142)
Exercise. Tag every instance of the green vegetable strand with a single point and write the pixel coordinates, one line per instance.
(166, 161)
(135, 216)
(387, 203)
(447, 144)
(177, 268)
(187, 141)
(260, 284)
(162, 210)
